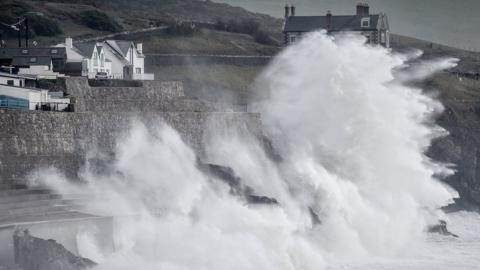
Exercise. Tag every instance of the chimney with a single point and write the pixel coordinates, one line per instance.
(69, 42)
(363, 9)
(140, 48)
(292, 10)
(287, 11)
(329, 20)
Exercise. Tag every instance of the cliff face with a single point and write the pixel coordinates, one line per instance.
(33, 139)
(461, 98)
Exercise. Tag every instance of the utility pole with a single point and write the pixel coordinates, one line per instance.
(26, 32)
(19, 33)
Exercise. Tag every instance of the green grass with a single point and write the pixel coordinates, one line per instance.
(207, 42)
(213, 82)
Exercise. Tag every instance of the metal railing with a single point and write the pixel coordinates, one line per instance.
(15, 104)
(53, 106)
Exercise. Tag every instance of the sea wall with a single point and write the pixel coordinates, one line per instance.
(35, 139)
(181, 59)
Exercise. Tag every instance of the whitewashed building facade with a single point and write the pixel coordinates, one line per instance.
(120, 59)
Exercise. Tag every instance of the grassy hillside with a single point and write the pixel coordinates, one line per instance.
(461, 98)
(83, 18)
(206, 41)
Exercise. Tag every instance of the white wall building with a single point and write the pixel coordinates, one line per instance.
(14, 94)
(120, 59)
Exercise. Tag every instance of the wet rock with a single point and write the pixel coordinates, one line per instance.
(237, 188)
(253, 199)
(441, 228)
(315, 218)
(32, 253)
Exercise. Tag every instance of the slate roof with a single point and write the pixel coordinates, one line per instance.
(338, 23)
(120, 46)
(22, 61)
(52, 52)
(85, 49)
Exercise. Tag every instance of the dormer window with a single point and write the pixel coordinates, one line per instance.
(365, 22)
(24, 51)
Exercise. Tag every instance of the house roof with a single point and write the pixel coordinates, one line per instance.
(52, 52)
(337, 23)
(120, 46)
(85, 49)
(22, 61)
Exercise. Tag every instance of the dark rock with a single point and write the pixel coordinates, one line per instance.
(227, 175)
(441, 228)
(315, 218)
(253, 199)
(32, 253)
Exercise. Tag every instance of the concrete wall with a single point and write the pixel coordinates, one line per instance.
(16, 81)
(178, 59)
(33, 139)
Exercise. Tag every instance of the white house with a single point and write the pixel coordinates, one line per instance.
(12, 80)
(44, 63)
(94, 54)
(120, 59)
(374, 27)
(14, 93)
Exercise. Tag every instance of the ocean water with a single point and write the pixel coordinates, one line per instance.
(354, 187)
(453, 23)
(438, 251)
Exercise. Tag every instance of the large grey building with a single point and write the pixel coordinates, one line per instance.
(374, 27)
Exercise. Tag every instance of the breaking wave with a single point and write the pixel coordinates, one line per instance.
(351, 181)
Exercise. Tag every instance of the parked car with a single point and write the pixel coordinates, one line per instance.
(101, 76)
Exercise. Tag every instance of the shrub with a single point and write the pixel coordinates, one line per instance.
(99, 21)
(43, 26)
(181, 29)
(263, 38)
(37, 26)
(250, 27)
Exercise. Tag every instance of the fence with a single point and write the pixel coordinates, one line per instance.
(53, 106)
(14, 103)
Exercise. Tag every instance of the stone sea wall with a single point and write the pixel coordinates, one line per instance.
(35, 139)
(181, 59)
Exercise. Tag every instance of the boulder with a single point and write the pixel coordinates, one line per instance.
(32, 253)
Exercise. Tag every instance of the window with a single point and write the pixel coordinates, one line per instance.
(138, 70)
(102, 60)
(54, 51)
(365, 22)
(10, 82)
(382, 37)
(33, 59)
(95, 59)
(293, 39)
(24, 51)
